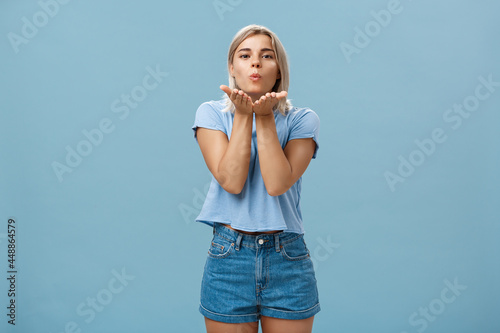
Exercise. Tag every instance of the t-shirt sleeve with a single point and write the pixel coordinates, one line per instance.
(208, 117)
(305, 124)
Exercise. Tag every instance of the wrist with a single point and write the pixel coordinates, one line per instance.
(243, 113)
(264, 116)
(265, 121)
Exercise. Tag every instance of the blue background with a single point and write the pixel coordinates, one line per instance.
(382, 254)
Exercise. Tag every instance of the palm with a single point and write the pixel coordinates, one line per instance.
(261, 107)
(265, 104)
(242, 102)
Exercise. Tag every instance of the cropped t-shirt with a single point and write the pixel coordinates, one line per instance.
(254, 209)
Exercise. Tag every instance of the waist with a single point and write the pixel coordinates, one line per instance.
(262, 239)
(251, 232)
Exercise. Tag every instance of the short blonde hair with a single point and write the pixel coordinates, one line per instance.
(282, 83)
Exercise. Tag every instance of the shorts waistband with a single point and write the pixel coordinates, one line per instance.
(255, 241)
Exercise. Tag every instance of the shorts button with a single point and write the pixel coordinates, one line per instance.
(261, 241)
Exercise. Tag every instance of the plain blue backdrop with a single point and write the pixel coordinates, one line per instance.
(101, 173)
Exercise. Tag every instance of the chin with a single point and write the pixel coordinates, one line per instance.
(251, 91)
(258, 92)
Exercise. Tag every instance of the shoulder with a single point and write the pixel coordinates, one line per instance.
(301, 114)
(215, 110)
(217, 106)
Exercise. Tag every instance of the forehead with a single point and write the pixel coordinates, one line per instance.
(257, 41)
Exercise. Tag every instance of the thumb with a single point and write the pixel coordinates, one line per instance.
(226, 89)
(282, 94)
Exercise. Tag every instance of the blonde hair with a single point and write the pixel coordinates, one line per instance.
(282, 83)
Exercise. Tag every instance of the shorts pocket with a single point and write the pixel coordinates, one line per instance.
(220, 247)
(295, 250)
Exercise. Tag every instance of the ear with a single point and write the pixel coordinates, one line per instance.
(278, 76)
(231, 70)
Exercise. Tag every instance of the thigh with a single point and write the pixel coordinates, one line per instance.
(291, 291)
(228, 283)
(220, 327)
(276, 325)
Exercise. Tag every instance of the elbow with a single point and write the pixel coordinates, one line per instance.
(276, 191)
(232, 187)
(277, 188)
(230, 184)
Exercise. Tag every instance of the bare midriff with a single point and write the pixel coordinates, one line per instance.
(252, 233)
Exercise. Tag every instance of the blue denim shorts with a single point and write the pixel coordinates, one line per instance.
(249, 276)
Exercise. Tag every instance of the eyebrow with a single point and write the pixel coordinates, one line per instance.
(262, 50)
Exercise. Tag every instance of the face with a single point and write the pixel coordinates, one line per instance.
(254, 66)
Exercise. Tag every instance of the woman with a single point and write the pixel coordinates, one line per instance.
(257, 146)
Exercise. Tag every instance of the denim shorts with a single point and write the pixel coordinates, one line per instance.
(249, 276)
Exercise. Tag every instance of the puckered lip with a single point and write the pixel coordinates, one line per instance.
(256, 75)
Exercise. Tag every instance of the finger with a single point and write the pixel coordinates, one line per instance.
(282, 94)
(248, 100)
(226, 89)
(244, 97)
(261, 100)
(273, 100)
(237, 97)
(234, 95)
(268, 102)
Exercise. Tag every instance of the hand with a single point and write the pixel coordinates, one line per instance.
(265, 104)
(242, 102)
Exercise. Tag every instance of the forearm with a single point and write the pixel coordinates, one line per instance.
(274, 165)
(233, 166)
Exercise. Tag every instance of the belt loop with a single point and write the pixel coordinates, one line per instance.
(277, 242)
(238, 241)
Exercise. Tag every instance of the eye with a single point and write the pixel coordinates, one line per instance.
(267, 56)
(244, 56)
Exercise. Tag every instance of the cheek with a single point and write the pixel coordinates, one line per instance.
(237, 69)
(238, 63)
(274, 68)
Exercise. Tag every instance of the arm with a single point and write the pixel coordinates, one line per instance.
(280, 168)
(228, 159)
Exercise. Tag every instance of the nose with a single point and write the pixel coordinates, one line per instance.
(256, 63)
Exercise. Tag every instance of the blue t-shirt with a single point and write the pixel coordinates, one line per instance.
(254, 209)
